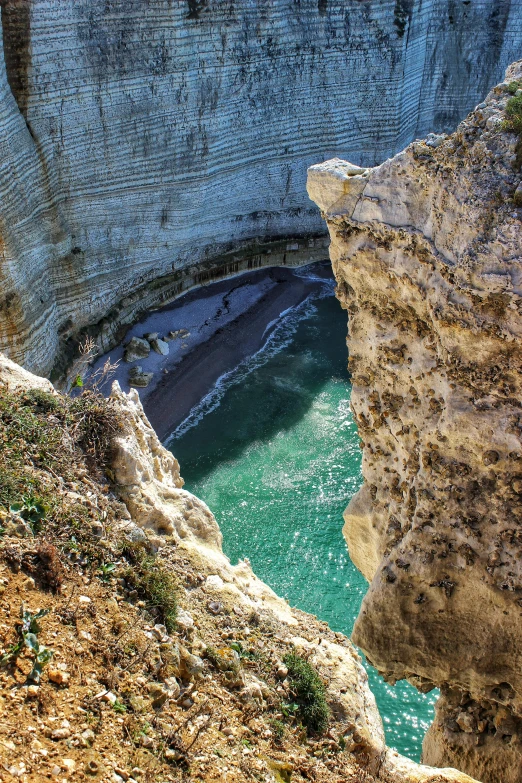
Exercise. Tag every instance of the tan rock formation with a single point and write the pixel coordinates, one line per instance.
(426, 249)
(148, 480)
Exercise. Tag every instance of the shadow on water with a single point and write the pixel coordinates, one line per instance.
(278, 405)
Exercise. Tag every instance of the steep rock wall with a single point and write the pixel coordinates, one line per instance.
(148, 143)
(426, 249)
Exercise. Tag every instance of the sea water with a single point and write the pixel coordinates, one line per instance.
(273, 450)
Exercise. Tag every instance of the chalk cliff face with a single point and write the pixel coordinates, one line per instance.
(426, 249)
(146, 147)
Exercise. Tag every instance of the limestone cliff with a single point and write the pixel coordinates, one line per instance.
(426, 249)
(147, 147)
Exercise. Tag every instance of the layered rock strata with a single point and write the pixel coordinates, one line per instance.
(150, 147)
(426, 249)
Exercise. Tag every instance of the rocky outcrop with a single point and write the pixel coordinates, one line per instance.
(164, 678)
(147, 148)
(147, 478)
(426, 249)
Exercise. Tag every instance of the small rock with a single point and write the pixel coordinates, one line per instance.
(187, 703)
(122, 773)
(282, 672)
(59, 677)
(149, 336)
(33, 691)
(147, 742)
(87, 738)
(173, 755)
(135, 349)
(214, 581)
(138, 378)
(55, 770)
(69, 765)
(29, 583)
(466, 722)
(173, 688)
(215, 607)
(84, 599)
(184, 620)
(160, 346)
(160, 632)
(517, 196)
(60, 734)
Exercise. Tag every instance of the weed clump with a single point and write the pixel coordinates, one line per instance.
(309, 692)
(154, 583)
(513, 121)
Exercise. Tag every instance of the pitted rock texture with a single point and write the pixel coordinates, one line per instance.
(426, 249)
(149, 147)
(147, 479)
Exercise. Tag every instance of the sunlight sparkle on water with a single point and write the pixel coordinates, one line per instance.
(275, 454)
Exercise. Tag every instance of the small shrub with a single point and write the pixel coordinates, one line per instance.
(154, 583)
(513, 123)
(28, 631)
(309, 692)
(278, 729)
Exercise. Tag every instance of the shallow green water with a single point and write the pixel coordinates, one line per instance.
(274, 452)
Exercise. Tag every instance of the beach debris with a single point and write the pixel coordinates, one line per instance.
(136, 349)
(178, 333)
(160, 346)
(138, 378)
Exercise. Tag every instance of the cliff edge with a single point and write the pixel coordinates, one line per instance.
(131, 648)
(426, 250)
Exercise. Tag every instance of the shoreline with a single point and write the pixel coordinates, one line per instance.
(228, 321)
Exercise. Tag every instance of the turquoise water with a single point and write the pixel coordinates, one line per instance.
(274, 452)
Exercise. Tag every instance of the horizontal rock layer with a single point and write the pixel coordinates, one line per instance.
(426, 249)
(146, 143)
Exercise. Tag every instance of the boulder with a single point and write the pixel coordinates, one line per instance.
(136, 349)
(139, 378)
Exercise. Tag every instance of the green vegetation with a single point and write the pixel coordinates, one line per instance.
(153, 583)
(278, 728)
(30, 510)
(28, 631)
(513, 121)
(309, 692)
(49, 443)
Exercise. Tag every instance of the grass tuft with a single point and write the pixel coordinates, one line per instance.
(513, 121)
(153, 583)
(309, 692)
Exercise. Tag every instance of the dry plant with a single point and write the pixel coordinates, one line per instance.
(100, 377)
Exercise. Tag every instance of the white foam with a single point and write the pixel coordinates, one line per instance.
(278, 339)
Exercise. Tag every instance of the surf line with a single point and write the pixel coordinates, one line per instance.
(280, 336)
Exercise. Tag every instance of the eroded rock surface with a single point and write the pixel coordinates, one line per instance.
(150, 147)
(426, 249)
